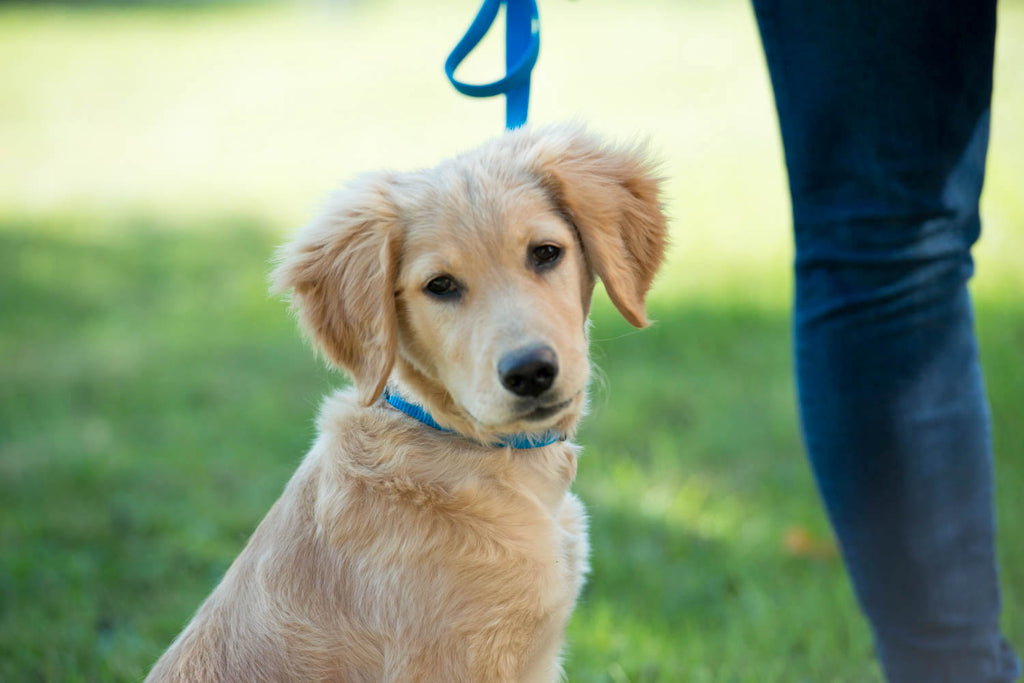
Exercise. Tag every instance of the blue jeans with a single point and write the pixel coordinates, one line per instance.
(884, 111)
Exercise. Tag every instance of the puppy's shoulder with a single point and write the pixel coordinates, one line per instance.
(343, 420)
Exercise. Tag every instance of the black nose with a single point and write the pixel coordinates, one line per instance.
(528, 371)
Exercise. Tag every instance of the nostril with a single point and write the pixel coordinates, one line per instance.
(529, 379)
(530, 371)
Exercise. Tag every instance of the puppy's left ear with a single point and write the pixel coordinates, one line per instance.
(341, 269)
(612, 198)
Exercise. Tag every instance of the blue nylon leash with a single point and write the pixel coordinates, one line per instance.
(418, 412)
(522, 46)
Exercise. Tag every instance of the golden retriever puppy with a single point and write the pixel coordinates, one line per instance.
(430, 535)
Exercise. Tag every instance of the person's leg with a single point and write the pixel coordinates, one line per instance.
(884, 110)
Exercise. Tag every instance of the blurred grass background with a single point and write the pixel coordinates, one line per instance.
(154, 399)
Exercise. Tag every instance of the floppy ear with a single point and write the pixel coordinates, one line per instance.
(342, 268)
(611, 196)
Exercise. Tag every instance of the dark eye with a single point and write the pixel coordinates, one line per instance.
(442, 286)
(545, 254)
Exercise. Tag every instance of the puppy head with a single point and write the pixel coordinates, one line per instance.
(470, 283)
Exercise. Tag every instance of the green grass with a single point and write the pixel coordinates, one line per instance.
(154, 399)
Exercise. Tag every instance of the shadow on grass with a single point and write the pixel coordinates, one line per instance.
(154, 400)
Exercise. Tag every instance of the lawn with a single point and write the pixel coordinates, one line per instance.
(154, 399)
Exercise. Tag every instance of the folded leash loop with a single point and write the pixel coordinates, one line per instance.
(522, 46)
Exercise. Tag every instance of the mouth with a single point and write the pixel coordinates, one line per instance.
(544, 412)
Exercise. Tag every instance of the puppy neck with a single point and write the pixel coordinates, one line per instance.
(522, 441)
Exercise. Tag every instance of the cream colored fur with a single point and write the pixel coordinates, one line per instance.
(398, 552)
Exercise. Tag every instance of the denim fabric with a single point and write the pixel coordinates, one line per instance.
(884, 111)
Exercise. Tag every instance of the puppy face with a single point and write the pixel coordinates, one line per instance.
(492, 293)
(470, 283)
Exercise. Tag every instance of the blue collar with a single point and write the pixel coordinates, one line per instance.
(418, 412)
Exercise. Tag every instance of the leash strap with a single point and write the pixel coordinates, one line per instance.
(522, 46)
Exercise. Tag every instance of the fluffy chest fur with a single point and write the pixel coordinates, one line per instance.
(381, 513)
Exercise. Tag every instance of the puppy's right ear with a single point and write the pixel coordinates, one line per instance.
(341, 269)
